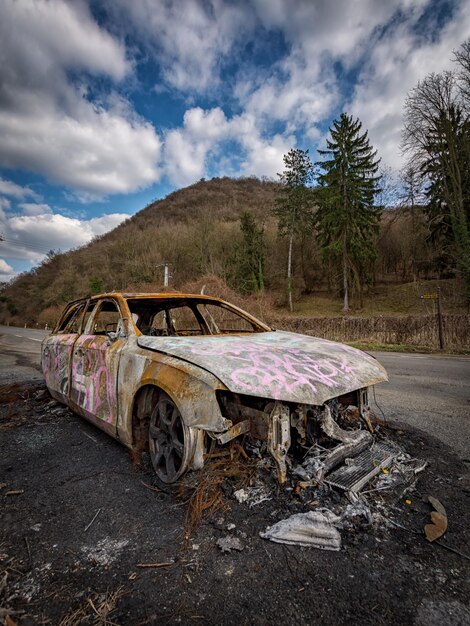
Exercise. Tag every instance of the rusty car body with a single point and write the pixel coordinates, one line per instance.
(175, 373)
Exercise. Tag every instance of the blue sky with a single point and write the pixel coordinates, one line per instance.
(106, 105)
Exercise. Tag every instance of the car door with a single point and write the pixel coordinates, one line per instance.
(95, 364)
(56, 352)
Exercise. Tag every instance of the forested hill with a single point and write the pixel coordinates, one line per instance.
(195, 229)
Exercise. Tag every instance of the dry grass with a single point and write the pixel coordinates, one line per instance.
(207, 497)
(411, 330)
(96, 610)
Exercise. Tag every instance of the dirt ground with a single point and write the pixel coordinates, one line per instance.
(78, 522)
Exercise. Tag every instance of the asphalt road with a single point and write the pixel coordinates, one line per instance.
(430, 392)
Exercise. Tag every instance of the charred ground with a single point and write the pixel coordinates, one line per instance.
(79, 519)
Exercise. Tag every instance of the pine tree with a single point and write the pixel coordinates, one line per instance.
(294, 203)
(347, 218)
(249, 256)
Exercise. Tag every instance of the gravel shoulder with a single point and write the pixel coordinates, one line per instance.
(79, 521)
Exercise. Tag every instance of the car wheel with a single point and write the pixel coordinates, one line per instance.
(169, 440)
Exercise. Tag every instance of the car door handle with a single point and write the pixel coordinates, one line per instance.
(79, 352)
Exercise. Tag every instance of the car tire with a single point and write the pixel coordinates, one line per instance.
(170, 441)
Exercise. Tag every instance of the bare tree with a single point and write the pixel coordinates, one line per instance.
(436, 135)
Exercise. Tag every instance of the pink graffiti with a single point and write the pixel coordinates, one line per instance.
(55, 362)
(94, 385)
(264, 368)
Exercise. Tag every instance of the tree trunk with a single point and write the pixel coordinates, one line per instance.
(289, 273)
(345, 281)
(260, 276)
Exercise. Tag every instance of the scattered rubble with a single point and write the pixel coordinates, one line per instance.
(348, 497)
(252, 495)
(229, 543)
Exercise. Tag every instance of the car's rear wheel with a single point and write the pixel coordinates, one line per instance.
(169, 440)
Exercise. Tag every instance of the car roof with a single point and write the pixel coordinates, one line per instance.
(149, 296)
(157, 295)
(171, 295)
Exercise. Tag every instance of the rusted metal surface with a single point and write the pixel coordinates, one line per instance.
(115, 379)
(55, 356)
(279, 438)
(279, 365)
(239, 429)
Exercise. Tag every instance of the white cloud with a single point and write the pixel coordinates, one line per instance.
(302, 88)
(97, 144)
(30, 237)
(30, 208)
(297, 94)
(5, 269)
(395, 66)
(4, 204)
(186, 148)
(53, 126)
(190, 39)
(264, 157)
(203, 140)
(339, 28)
(9, 188)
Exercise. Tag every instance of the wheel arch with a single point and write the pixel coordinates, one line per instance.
(144, 401)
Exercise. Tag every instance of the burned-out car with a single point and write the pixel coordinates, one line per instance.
(178, 374)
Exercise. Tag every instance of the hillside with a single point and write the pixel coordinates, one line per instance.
(197, 231)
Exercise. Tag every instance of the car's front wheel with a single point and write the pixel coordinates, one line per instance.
(169, 440)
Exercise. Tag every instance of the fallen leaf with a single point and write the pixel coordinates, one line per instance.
(437, 528)
(437, 505)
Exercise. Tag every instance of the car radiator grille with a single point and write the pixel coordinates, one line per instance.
(356, 472)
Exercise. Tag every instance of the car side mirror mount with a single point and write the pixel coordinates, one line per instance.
(112, 335)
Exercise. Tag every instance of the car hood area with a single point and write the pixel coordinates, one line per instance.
(278, 365)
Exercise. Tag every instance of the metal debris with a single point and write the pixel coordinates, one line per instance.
(357, 472)
(356, 515)
(313, 529)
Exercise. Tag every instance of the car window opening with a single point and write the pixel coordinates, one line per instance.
(187, 317)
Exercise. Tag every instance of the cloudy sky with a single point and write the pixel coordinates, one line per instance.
(106, 105)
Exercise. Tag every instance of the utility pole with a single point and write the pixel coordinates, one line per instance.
(166, 274)
(439, 319)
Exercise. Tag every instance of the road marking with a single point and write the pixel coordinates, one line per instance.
(28, 338)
